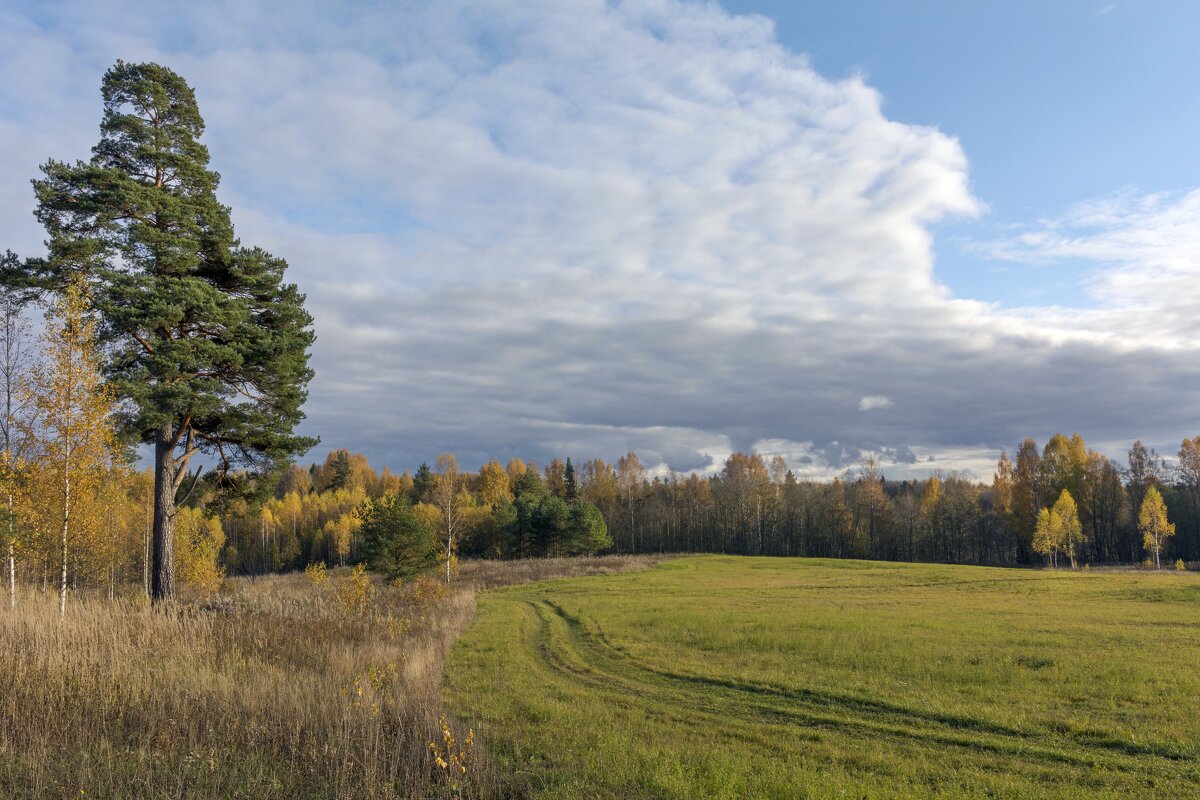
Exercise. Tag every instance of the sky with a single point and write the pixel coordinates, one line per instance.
(577, 228)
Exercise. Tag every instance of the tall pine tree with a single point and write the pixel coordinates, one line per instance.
(205, 341)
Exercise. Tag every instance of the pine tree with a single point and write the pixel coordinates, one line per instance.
(570, 487)
(207, 343)
(395, 540)
(588, 530)
(422, 483)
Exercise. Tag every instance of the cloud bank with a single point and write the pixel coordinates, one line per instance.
(580, 228)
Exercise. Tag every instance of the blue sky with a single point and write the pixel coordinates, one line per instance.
(1053, 102)
(543, 228)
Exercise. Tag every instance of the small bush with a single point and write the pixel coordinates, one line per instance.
(423, 590)
(317, 574)
(1179, 565)
(453, 758)
(354, 591)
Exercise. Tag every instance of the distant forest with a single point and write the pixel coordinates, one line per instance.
(753, 506)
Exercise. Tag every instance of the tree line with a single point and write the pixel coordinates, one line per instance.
(1062, 502)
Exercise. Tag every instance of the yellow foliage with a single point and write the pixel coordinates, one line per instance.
(355, 592)
(494, 484)
(1058, 529)
(374, 692)
(429, 515)
(452, 758)
(317, 574)
(69, 425)
(1152, 522)
(423, 591)
(198, 542)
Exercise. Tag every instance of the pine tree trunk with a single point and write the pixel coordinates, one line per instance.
(162, 575)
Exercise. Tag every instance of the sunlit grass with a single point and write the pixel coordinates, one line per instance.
(319, 686)
(738, 677)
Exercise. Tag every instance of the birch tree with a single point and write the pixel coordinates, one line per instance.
(69, 418)
(14, 357)
(1153, 524)
(1066, 525)
(447, 497)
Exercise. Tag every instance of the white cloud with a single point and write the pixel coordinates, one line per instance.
(1145, 249)
(544, 228)
(874, 402)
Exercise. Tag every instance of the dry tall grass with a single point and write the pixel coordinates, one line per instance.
(280, 687)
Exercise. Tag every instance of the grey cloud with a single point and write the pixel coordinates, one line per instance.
(549, 229)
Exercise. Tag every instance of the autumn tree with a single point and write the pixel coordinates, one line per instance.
(931, 502)
(199, 538)
(631, 477)
(69, 419)
(1067, 526)
(1188, 470)
(1026, 491)
(872, 506)
(1145, 470)
(1064, 461)
(555, 478)
(494, 486)
(1002, 484)
(1046, 536)
(1153, 524)
(204, 339)
(14, 352)
(1058, 530)
(448, 498)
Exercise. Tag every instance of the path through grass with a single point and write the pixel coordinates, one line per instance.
(740, 677)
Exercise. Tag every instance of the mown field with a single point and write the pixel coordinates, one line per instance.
(744, 677)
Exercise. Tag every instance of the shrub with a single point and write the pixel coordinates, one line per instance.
(317, 574)
(354, 591)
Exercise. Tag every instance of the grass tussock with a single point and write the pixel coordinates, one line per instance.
(295, 686)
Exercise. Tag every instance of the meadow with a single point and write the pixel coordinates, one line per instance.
(325, 685)
(732, 677)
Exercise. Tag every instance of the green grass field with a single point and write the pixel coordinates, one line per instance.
(754, 677)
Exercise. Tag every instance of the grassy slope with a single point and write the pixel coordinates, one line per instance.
(739, 677)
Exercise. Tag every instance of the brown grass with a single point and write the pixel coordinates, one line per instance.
(275, 688)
